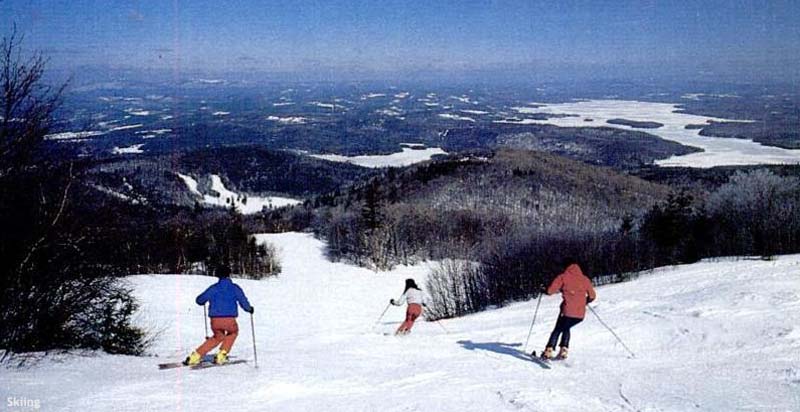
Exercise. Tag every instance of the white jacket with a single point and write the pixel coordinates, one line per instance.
(411, 296)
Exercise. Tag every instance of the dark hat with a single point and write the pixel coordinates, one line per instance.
(223, 271)
(411, 284)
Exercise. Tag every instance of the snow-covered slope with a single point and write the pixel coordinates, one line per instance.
(713, 336)
(244, 203)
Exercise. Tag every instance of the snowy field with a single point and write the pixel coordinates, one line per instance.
(135, 149)
(254, 203)
(399, 159)
(717, 151)
(713, 336)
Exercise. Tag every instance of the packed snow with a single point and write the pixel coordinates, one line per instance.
(712, 336)
(717, 151)
(404, 158)
(244, 203)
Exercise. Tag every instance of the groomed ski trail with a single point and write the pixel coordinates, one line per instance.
(712, 336)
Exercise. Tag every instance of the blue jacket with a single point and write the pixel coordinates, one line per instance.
(224, 295)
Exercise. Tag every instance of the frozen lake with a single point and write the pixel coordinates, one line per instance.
(399, 159)
(716, 151)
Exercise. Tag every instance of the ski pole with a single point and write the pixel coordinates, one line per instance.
(612, 331)
(205, 321)
(438, 322)
(381, 317)
(253, 334)
(536, 312)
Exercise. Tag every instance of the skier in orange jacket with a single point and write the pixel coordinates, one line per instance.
(577, 291)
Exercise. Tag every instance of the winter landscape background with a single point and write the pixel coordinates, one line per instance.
(325, 152)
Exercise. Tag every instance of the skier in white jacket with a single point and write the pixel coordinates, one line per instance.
(415, 299)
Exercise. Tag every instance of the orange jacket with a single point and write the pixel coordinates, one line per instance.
(575, 287)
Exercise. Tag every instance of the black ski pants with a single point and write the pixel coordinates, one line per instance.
(563, 325)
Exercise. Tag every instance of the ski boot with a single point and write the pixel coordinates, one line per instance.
(563, 353)
(549, 353)
(222, 357)
(194, 358)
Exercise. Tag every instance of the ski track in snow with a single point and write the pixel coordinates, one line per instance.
(712, 336)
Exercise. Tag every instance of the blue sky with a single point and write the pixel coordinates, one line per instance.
(395, 36)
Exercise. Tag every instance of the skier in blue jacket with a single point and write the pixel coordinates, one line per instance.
(223, 298)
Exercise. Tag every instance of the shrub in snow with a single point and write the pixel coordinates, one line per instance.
(455, 288)
(756, 213)
(53, 293)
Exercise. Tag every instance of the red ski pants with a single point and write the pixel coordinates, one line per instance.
(412, 313)
(225, 332)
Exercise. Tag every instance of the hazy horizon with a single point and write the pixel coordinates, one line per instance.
(741, 41)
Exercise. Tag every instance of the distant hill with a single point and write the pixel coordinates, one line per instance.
(461, 204)
(250, 169)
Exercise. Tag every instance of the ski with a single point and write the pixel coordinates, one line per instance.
(173, 365)
(539, 361)
(205, 365)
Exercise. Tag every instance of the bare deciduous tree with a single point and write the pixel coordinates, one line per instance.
(27, 105)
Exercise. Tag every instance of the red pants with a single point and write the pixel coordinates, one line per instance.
(225, 332)
(412, 313)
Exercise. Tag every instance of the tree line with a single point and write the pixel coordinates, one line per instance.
(503, 225)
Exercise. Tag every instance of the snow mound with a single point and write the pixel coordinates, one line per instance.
(712, 336)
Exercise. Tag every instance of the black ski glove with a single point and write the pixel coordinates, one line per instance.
(391, 301)
(252, 310)
(589, 300)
